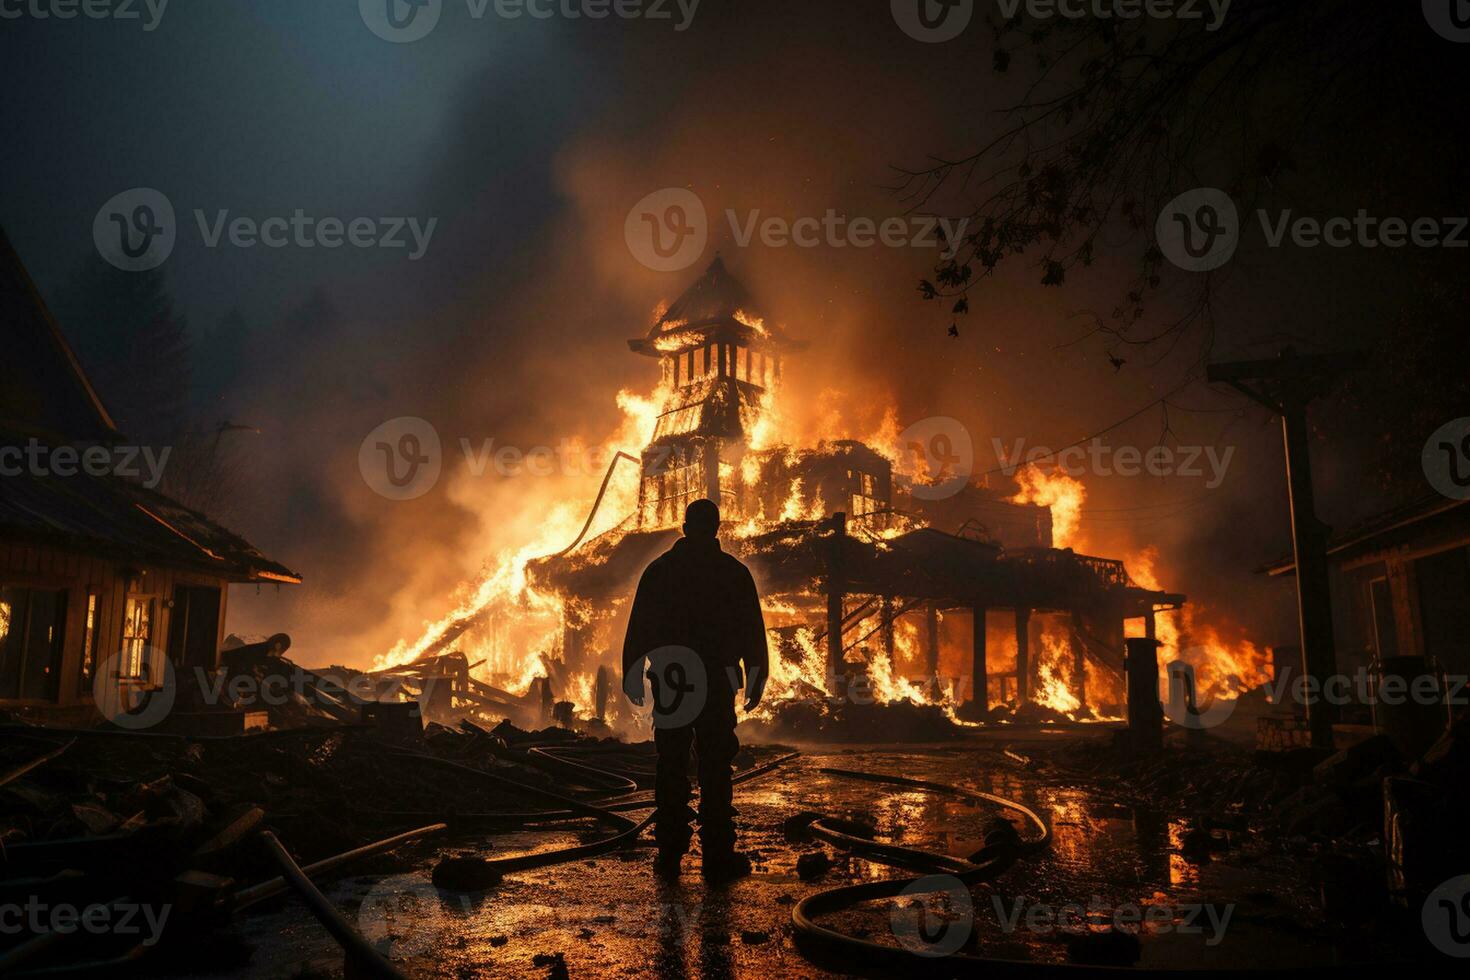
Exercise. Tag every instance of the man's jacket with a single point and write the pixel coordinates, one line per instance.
(695, 595)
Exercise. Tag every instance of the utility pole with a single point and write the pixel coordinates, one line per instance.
(1286, 386)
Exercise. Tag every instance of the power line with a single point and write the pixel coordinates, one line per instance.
(1101, 432)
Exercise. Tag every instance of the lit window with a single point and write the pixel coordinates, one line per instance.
(137, 631)
(30, 642)
(89, 639)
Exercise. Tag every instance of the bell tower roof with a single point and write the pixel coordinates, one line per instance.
(717, 307)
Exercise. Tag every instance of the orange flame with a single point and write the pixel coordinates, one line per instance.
(1062, 493)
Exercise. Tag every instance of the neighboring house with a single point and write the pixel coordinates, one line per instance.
(98, 574)
(1404, 580)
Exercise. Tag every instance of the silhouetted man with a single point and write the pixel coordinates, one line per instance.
(697, 620)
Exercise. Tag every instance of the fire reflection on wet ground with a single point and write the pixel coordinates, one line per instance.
(1246, 907)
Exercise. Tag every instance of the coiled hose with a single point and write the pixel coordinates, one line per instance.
(1003, 847)
(627, 829)
(1001, 850)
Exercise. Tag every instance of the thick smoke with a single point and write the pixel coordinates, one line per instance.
(516, 329)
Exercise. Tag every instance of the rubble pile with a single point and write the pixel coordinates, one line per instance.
(814, 719)
(89, 818)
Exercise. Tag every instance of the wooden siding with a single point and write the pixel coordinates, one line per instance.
(79, 574)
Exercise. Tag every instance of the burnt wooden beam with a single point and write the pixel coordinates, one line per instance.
(1023, 655)
(1079, 659)
(836, 587)
(931, 641)
(979, 673)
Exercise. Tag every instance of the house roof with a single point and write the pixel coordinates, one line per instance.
(43, 389)
(46, 399)
(1386, 529)
(107, 515)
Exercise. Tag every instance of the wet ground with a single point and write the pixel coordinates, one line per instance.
(1247, 906)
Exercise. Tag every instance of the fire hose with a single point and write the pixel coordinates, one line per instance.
(944, 873)
(627, 829)
(941, 872)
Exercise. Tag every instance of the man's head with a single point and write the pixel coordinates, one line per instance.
(701, 520)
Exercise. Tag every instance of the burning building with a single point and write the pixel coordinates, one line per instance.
(908, 585)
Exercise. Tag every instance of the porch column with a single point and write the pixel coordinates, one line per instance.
(836, 589)
(1023, 655)
(931, 643)
(1079, 660)
(979, 672)
(885, 612)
